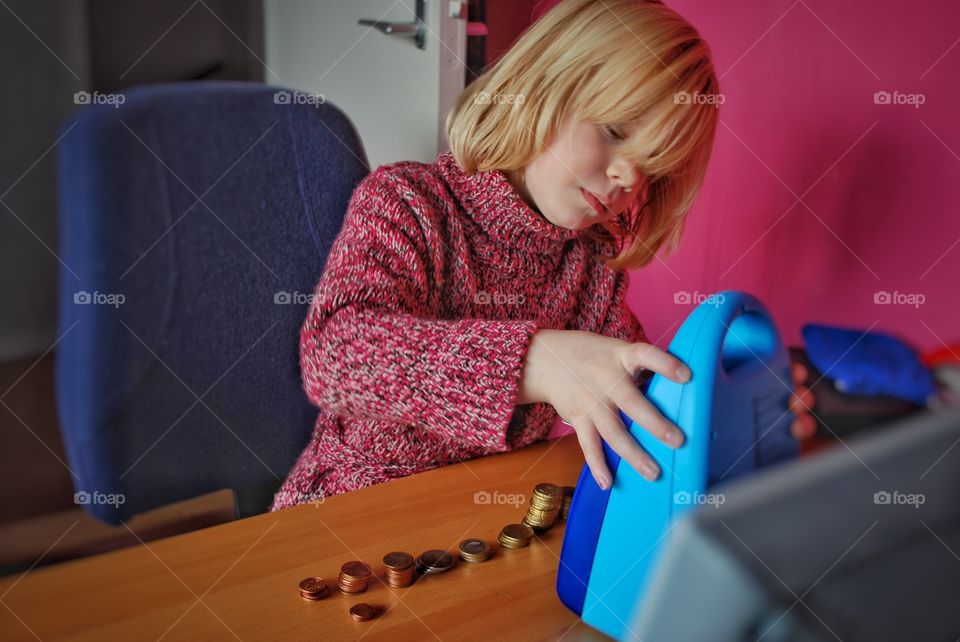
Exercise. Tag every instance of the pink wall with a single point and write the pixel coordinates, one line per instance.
(878, 182)
(881, 213)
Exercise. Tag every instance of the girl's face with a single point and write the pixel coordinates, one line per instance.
(580, 179)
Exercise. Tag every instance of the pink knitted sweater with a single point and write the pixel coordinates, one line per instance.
(415, 340)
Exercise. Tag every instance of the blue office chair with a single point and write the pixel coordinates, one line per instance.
(195, 220)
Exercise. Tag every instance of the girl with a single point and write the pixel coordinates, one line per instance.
(468, 301)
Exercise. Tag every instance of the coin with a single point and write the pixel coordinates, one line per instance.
(515, 536)
(518, 531)
(313, 585)
(434, 561)
(548, 490)
(567, 501)
(399, 569)
(362, 612)
(475, 550)
(355, 569)
(398, 560)
(353, 577)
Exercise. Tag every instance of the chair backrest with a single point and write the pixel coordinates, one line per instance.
(195, 221)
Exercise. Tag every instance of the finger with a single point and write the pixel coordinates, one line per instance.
(592, 449)
(616, 434)
(639, 408)
(799, 372)
(803, 427)
(644, 355)
(802, 400)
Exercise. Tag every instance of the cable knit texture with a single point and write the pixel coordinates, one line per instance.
(415, 340)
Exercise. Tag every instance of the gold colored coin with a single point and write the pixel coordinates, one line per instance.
(518, 531)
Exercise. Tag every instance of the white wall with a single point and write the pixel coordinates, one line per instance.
(390, 89)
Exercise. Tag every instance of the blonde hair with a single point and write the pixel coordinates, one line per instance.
(608, 62)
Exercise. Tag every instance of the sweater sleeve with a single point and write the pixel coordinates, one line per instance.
(372, 347)
(620, 321)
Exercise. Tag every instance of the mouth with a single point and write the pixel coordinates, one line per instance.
(594, 202)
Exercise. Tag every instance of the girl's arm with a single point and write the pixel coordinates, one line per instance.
(372, 347)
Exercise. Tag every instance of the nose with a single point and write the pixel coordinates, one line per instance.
(624, 174)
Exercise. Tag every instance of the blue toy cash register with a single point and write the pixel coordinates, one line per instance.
(734, 415)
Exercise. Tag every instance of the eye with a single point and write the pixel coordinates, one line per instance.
(612, 133)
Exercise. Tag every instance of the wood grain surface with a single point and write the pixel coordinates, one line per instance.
(240, 580)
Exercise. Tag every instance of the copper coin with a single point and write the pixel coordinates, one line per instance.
(314, 597)
(568, 491)
(313, 585)
(355, 570)
(362, 612)
(398, 561)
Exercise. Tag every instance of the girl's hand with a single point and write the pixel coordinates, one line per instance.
(587, 378)
(802, 400)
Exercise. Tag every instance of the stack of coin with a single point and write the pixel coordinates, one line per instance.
(399, 569)
(567, 500)
(475, 551)
(353, 577)
(515, 535)
(433, 562)
(313, 589)
(544, 506)
(362, 612)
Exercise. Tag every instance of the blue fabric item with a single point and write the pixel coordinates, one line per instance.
(195, 221)
(869, 363)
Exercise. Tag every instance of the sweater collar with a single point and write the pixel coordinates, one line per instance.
(495, 205)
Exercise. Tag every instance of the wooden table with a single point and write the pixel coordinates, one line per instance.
(240, 580)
